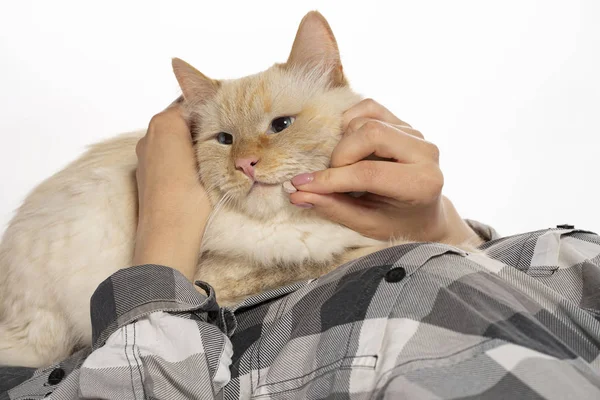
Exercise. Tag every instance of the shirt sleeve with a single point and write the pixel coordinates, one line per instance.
(154, 336)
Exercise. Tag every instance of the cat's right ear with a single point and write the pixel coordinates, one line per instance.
(196, 87)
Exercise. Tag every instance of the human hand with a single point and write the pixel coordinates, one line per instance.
(404, 198)
(173, 206)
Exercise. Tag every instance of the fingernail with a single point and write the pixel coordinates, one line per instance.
(302, 179)
(304, 205)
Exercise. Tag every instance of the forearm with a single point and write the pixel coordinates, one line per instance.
(173, 205)
(171, 241)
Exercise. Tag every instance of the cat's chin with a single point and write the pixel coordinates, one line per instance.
(264, 201)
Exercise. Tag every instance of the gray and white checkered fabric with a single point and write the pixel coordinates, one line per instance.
(418, 321)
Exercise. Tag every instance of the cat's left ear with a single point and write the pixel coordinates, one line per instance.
(316, 47)
(196, 87)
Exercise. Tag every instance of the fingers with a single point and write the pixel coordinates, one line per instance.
(368, 136)
(345, 210)
(402, 195)
(140, 147)
(169, 121)
(408, 183)
(369, 108)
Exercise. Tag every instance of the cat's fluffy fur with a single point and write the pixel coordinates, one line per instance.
(78, 227)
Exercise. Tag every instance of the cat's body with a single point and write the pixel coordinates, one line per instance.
(78, 227)
(71, 233)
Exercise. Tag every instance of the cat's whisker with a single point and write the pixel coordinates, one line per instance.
(211, 187)
(219, 205)
(224, 200)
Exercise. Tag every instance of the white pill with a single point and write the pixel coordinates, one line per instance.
(288, 187)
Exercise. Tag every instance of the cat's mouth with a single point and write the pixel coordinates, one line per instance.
(264, 187)
(261, 184)
(264, 184)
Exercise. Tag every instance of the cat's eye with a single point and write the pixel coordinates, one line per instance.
(281, 123)
(224, 138)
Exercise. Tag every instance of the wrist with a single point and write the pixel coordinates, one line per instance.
(173, 243)
(458, 232)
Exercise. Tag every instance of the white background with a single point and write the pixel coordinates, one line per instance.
(509, 90)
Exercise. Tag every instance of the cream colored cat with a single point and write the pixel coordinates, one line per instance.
(253, 134)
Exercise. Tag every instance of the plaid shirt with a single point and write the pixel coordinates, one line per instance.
(419, 321)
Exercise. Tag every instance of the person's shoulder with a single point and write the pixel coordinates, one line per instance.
(492, 238)
(485, 232)
(560, 232)
(544, 247)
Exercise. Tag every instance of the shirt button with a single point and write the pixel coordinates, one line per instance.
(395, 275)
(565, 226)
(56, 376)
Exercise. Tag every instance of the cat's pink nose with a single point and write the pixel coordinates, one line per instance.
(246, 165)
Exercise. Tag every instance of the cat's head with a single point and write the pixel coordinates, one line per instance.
(254, 133)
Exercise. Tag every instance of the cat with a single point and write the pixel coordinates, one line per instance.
(252, 135)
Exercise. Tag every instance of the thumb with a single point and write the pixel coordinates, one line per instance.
(342, 209)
